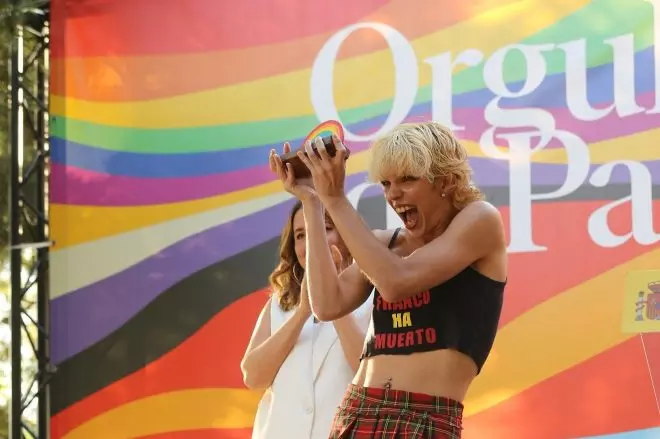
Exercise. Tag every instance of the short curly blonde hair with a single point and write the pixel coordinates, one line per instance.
(425, 150)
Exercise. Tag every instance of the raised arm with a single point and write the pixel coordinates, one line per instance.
(473, 234)
(352, 328)
(266, 352)
(332, 295)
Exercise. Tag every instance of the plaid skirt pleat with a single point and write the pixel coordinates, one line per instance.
(368, 412)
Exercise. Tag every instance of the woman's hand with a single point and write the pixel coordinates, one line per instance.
(341, 263)
(299, 188)
(328, 173)
(304, 306)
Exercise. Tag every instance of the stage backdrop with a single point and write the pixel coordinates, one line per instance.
(166, 219)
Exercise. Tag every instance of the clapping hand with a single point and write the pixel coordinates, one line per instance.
(301, 188)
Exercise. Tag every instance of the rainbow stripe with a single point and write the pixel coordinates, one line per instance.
(166, 216)
(325, 129)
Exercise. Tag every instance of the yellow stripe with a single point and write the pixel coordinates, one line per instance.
(287, 95)
(76, 224)
(555, 336)
(118, 253)
(175, 411)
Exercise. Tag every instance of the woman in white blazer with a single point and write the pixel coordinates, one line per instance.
(304, 365)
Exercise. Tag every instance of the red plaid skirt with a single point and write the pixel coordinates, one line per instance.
(369, 412)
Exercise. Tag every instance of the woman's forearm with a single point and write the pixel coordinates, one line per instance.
(376, 261)
(351, 336)
(322, 277)
(261, 364)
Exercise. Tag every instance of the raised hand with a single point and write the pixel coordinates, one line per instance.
(328, 173)
(341, 263)
(302, 189)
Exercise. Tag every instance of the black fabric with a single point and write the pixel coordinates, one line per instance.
(461, 314)
(393, 238)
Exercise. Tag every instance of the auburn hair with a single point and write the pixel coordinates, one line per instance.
(286, 279)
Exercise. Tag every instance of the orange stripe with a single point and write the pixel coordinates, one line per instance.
(143, 78)
(609, 392)
(225, 433)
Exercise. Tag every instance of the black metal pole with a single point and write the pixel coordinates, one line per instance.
(43, 409)
(15, 250)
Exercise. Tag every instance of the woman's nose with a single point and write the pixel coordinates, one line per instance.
(393, 192)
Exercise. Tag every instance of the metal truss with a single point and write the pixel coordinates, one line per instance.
(29, 243)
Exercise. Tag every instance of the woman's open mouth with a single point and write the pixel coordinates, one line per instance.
(409, 216)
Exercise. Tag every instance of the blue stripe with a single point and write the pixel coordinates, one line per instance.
(650, 433)
(551, 94)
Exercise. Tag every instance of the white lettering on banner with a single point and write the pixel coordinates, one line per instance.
(405, 84)
(520, 182)
(442, 88)
(536, 127)
(641, 206)
(623, 61)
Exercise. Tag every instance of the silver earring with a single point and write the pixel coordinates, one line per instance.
(444, 195)
(295, 277)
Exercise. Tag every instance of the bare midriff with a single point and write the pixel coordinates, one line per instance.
(445, 373)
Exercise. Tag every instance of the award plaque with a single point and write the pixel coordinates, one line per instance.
(325, 132)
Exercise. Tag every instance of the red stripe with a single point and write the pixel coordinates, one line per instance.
(188, 69)
(140, 27)
(610, 392)
(652, 352)
(572, 256)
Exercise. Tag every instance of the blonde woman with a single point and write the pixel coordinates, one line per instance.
(305, 365)
(439, 283)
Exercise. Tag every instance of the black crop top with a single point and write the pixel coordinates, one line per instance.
(461, 314)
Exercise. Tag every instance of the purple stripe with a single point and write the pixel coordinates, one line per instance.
(489, 173)
(82, 187)
(85, 316)
(104, 306)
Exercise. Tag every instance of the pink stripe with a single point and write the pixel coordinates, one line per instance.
(607, 128)
(77, 186)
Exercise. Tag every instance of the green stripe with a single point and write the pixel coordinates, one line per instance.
(601, 19)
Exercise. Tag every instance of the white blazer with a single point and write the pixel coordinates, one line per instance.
(303, 399)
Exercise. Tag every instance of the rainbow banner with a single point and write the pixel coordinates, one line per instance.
(166, 218)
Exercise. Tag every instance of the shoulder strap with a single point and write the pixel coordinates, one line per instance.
(389, 245)
(393, 239)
